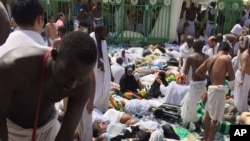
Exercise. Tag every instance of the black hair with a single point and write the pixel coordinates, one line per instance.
(199, 46)
(62, 29)
(224, 46)
(161, 48)
(95, 133)
(219, 37)
(50, 16)
(119, 60)
(99, 29)
(26, 12)
(213, 4)
(59, 15)
(79, 45)
(162, 74)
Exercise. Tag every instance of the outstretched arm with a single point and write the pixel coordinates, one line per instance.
(74, 112)
(90, 104)
(187, 66)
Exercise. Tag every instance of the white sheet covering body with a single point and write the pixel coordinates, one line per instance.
(216, 99)
(188, 109)
(103, 79)
(47, 132)
(241, 92)
(117, 72)
(174, 93)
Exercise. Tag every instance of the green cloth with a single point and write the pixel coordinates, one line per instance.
(170, 78)
(223, 126)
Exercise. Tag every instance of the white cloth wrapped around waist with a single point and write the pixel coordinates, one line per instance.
(188, 109)
(216, 99)
(47, 132)
(241, 92)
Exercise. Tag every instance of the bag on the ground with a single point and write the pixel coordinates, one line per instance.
(168, 112)
(169, 132)
(154, 91)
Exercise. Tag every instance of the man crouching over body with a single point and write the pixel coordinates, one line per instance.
(217, 66)
(29, 75)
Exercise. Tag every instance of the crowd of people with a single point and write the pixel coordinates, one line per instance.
(76, 69)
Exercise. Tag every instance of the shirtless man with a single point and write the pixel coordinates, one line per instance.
(197, 85)
(61, 33)
(96, 13)
(51, 76)
(50, 30)
(190, 16)
(242, 85)
(4, 24)
(88, 6)
(217, 66)
(186, 49)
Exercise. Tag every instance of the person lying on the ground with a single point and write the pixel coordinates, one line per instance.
(102, 121)
(104, 131)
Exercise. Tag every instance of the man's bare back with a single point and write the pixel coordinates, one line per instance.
(51, 29)
(25, 80)
(245, 62)
(217, 66)
(196, 59)
(219, 69)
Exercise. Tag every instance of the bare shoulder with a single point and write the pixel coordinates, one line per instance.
(225, 57)
(57, 40)
(21, 57)
(205, 55)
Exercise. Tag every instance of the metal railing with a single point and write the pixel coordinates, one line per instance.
(137, 21)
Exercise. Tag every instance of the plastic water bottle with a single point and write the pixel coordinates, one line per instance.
(115, 129)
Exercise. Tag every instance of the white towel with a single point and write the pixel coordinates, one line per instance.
(216, 99)
(241, 93)
(47, 132)
(188, 109)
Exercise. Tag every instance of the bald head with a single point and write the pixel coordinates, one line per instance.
(212, 41)
(190, 41)
(212, 38)
(4, 24)
(198, 45)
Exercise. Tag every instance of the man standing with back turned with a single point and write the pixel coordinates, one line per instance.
(218, 66)
(197, 85)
